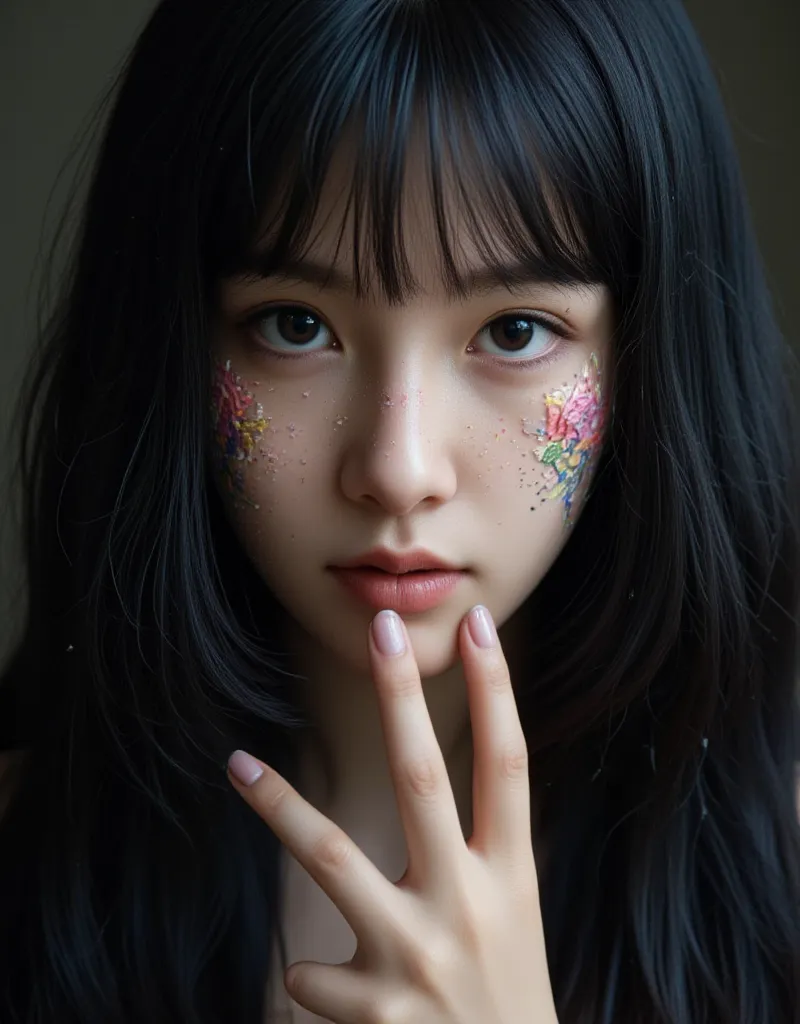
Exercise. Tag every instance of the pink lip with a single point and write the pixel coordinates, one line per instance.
(412, 592)
(398, 562)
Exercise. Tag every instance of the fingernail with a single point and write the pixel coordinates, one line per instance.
(387, 629)
(481, 626)
(244, 768)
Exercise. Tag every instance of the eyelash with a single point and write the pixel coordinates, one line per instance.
(553, 326)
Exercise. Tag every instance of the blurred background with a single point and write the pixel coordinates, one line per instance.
(57, 59)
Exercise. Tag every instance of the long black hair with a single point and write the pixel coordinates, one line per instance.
(662, 720)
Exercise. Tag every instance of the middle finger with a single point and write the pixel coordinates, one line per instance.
(424, 795)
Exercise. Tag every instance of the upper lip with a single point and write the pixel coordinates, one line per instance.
(397, 562)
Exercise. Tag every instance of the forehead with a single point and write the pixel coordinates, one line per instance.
(441, 231)
(341, 226)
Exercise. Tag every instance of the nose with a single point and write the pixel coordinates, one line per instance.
(400, 450)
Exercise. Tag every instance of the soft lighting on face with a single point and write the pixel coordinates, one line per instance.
(573, 432)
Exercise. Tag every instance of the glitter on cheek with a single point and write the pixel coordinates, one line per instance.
(573, 432)
(237, 427)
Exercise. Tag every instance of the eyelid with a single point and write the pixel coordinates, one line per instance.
(553, 321)
(548, 320)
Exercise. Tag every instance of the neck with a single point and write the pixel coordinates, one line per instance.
(344, 770)
(343, 755)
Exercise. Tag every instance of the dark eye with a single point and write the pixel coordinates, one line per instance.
(295, 330)
(289, 327)
(520, 333)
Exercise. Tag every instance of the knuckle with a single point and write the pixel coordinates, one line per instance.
(403, 683)
(332, 850)
(423, 777)
(497, 677)
(274, 796)
(513, 763)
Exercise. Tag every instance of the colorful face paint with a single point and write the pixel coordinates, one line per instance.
(573, 432)
(236, 429)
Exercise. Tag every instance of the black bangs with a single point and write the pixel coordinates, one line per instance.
(517, 146)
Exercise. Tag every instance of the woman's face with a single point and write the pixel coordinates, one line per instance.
(470, 429)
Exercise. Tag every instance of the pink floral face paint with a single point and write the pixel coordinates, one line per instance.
(573, 432)
(238, 424)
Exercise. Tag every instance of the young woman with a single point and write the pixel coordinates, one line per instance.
(381, 310)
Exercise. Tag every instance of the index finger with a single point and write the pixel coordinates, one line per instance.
(424, 795)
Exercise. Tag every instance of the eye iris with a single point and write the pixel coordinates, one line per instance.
(516, 332)
(297, 326)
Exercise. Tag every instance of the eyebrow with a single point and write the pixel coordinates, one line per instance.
(517, 274)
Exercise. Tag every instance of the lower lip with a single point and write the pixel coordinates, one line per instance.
(410, 592)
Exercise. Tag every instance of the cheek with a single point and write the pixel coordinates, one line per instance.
(238, 425)
(570, 437)
(562, 443)
(553, 451)
(262, 462)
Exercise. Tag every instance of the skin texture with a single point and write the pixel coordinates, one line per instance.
(459, 939)
(401, 426)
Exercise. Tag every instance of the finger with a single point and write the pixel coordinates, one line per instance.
(501, 788)
(367, 900)
(424, 794)
(343, 994)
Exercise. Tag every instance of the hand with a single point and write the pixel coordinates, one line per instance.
(459, 939)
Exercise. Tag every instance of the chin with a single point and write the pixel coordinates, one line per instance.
(435, 645)
(434, 642)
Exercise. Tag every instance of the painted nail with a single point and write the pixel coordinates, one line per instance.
(481, 626)
(387, 629)
(244, 768)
